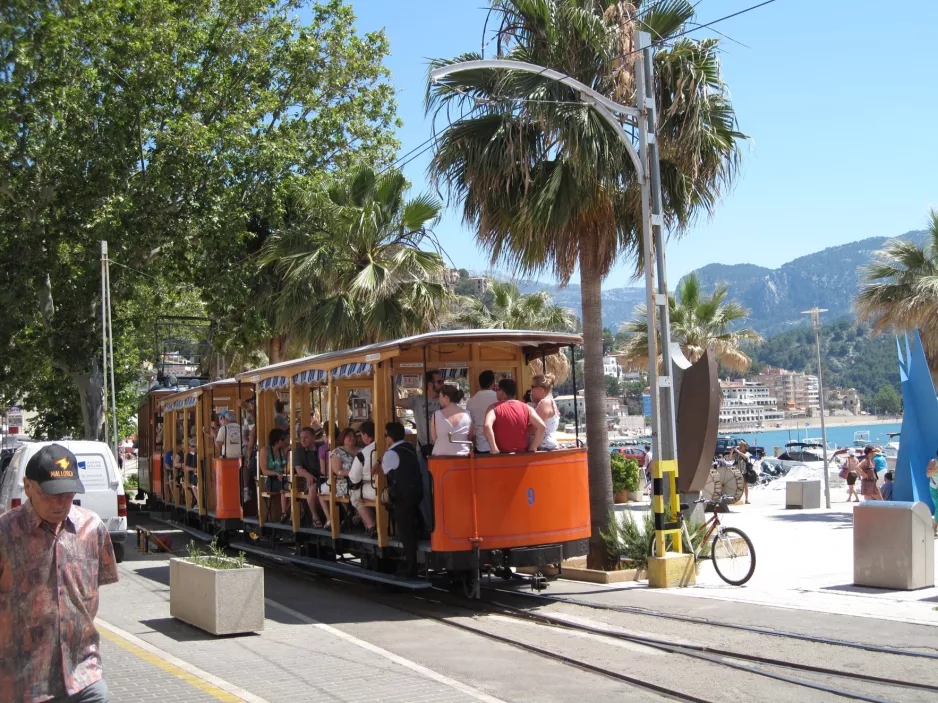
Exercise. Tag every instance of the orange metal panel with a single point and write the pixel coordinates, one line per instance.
(523, 499)
(156, 475)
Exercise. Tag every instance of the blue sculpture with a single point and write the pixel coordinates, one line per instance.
(919, 439)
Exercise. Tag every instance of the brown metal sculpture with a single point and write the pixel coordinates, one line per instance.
(697, 388)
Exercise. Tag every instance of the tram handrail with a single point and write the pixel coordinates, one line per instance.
(475, 539)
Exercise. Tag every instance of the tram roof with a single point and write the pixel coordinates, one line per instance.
(195, 390)
(548, 342)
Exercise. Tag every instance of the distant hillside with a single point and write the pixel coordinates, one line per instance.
(853, 358)
(828, 279)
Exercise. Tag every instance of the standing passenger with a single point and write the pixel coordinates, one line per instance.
(542, 387)
(477, 405)
(53, 557)
(405, 489)
(509, 422)
(281, 420)
(450, 424)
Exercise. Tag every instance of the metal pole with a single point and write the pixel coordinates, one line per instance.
(110, 335)
(576, 412)
(104, 333)
(815, 314)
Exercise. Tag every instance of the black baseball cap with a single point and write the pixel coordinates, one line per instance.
(55, 469)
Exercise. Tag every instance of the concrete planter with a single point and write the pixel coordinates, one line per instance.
(219, 601)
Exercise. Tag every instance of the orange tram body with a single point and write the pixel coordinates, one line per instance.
(485, 514)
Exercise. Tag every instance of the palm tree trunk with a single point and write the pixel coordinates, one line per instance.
(597, 438)
(275, 348)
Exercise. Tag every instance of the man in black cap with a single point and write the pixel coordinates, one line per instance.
(53, 557)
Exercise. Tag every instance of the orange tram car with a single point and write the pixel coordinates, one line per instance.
(482, 513)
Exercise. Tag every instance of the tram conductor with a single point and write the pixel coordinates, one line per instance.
(405, 492)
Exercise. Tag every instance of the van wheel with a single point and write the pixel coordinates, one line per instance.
(118, 552)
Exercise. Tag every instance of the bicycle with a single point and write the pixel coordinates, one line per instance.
(731, 550)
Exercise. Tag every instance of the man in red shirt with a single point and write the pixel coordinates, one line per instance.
(53, 557)
(510, 425)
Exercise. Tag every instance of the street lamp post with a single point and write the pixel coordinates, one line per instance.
(815, 314)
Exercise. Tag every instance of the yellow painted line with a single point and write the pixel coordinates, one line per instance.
(109, 633)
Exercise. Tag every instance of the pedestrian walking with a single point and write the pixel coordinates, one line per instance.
(849, 472)
(867, 471)
(53, 557)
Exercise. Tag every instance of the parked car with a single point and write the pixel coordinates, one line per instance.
(104, 490)
(630, 452)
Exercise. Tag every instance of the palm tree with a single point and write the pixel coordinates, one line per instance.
(900, 289)
(352, 264)
(698, 322)
(504, 307)
(508, 309)
(544, 180)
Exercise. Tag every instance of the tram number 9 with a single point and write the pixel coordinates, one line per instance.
(530, 496)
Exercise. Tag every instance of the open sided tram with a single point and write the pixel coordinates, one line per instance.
(485, 513)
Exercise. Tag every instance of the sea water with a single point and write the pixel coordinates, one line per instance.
(841, 435)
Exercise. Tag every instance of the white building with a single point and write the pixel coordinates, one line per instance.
(611, 367)
(565, 405)
(747, 403)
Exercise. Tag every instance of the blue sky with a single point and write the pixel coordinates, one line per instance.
(838, 97)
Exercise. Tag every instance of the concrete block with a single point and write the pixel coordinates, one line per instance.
(803, 494)
(671, 571)
(219, 601)
(893, 545)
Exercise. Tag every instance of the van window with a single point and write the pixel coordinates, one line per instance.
(92, 470)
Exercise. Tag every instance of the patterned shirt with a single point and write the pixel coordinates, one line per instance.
(48, 602)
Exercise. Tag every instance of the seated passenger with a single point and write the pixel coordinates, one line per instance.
(509, 422)
(477, 405)
(179, 464)
(340, 464)
(450, 424)
(272, 463)
(361, 477)
(543, 400)
(308, 470)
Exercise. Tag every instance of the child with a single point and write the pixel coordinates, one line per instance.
(886, 488)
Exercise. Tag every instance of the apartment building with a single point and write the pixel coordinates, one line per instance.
(748, 403)
(796, 394)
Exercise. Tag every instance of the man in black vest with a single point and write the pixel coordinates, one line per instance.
(405, 486)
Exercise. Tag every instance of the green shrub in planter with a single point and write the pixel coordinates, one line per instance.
(624, 474)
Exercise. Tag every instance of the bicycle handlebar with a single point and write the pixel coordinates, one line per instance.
(713, 501)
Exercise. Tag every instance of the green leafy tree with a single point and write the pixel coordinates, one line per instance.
(352, 264)
(887, 401)
(166, 129)
(545, 181)
(900, 289)
(508, 309)
(698, 322)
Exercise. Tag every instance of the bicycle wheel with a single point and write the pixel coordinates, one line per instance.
(734, 557)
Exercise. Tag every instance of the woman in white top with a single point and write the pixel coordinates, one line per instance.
(546, 408)
(450, 423)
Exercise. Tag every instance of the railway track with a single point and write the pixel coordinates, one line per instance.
(780, 670)
(631, 610)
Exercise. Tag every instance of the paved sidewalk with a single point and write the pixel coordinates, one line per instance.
(804, 561)
(149, 656)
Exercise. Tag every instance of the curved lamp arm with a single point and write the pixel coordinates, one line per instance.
(603, 105)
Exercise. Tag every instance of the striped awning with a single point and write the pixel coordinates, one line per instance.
(352, 370)
(313, 377)
(458, 372)
(182, 403)
(272, 383)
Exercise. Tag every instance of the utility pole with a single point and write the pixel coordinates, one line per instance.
(815, 314)
(107, 346)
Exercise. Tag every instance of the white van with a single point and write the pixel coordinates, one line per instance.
(104, 491)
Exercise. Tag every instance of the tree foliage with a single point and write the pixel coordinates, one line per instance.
(698, 322)
(507, 308)
(887, 401)
(351, 262)
(167, 129)
(900, 289)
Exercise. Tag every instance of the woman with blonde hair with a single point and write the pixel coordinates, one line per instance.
(542, 400)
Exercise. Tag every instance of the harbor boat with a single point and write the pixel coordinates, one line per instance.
(861, 439)
(891, 450)
(807, 453)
